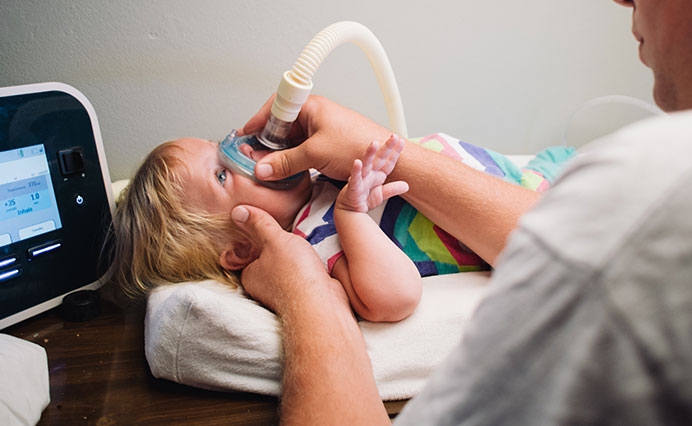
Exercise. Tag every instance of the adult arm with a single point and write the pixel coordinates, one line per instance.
(477, 209)
(328, 376)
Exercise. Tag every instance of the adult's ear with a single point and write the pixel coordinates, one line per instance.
(236, 256)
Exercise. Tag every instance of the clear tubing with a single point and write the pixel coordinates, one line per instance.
(296, 84)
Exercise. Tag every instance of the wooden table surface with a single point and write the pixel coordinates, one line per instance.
(99, 376)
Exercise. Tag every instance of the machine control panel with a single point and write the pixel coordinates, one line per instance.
(55, 198)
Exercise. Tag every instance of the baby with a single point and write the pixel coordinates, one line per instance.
(172, 224)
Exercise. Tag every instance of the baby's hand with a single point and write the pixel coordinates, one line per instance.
(366, 188)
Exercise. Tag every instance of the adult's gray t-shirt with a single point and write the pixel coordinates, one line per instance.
(588, 318)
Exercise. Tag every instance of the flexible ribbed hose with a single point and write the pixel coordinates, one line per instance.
(342, 32)
(296, 84)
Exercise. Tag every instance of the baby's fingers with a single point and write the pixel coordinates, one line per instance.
(369, 158)
(393, 189)
(357, 173)
(388, 154)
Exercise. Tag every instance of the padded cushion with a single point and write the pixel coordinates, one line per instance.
(208, 335)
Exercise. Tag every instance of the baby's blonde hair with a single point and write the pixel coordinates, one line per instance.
(156, 239)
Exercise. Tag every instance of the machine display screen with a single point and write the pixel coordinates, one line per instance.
(27, 200)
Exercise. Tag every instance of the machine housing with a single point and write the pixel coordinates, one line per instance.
(56, 201)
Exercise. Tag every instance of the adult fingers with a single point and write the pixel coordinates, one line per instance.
(259, 225)
(259, 120)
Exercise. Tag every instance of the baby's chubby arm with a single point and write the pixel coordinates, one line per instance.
(382, 283)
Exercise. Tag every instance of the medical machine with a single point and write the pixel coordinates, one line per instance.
(55, 198)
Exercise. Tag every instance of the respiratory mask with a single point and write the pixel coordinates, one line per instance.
(237, 153)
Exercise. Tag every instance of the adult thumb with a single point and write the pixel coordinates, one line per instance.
(282, 164)
(258, 224)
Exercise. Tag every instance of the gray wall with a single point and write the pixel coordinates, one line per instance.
(506, 75)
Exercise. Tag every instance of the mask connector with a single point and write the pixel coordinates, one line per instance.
(275, 133)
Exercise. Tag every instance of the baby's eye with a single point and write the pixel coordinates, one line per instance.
(221, 176)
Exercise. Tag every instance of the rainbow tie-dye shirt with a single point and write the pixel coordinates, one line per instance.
(432, 249)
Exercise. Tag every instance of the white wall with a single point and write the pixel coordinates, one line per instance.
(505, 75)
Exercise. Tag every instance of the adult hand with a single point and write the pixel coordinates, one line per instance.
(327, 136)
(327, 375)
(481, 212)
(287, 269)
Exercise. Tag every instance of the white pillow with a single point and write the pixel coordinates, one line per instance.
(207, 335)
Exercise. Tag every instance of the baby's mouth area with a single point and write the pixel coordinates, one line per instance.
(253, 153)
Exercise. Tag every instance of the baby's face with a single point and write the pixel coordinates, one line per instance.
(212, 187)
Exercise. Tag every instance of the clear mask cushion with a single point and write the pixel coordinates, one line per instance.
(237, 153)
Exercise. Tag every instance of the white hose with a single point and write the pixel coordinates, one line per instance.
(608, 99)
(296, 83)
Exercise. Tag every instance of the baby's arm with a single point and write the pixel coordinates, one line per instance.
(382, 283)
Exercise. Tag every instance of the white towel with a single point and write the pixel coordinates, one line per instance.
(24, 387)
(207, 335)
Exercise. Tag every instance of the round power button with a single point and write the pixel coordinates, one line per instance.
(79, 200)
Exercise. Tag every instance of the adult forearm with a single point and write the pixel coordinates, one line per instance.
(478, 209)
(327, 373)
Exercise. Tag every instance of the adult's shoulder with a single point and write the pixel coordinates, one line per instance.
(612, 187)
(651, 142)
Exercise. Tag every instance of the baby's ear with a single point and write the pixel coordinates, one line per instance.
(236, 256)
